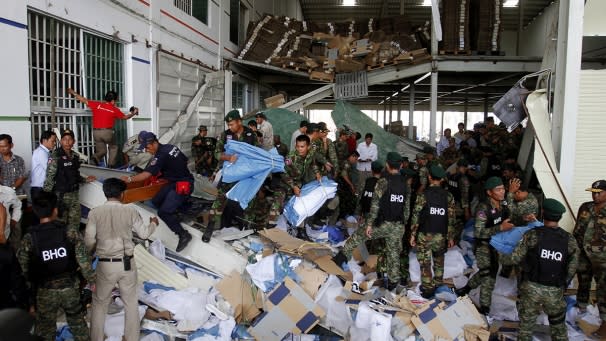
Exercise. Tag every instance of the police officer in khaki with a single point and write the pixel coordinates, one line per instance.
(109, 232)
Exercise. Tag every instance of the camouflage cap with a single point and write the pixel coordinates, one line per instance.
(232, 115)
(493, 182)
(421, 156)
(437, 172)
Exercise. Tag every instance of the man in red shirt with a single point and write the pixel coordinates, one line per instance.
(104, 115)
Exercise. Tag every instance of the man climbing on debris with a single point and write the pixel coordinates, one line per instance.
(104, 115)
(235, 132)
(432, 224)
(169, 163)
(549, 257)
(492, 217)
(109, 233)
(388, 213)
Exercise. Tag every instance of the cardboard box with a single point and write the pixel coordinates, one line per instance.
(311, 279)
(288, 309)
(275, 101)
(247, 303)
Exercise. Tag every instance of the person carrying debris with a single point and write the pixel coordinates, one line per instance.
(63, 178)
(549, 258)
(235, 132)
(432, 225)
(169, 163)
(389, 212)
(50, 259)
(109, 232)
(492, 216)
(104, 115)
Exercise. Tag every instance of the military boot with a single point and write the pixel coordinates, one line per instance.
(208, 232)
(184, 239)
(427, 292)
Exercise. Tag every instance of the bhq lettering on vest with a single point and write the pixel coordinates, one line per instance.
(548, 254)
(453, 183)
(437, 211)
(497, 221)
(396, 198)
(54, 254)
(368, 194)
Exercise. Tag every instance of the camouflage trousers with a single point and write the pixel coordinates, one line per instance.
(533, 297)
(216, 209)
(598, 265)
(392, 232)
(584, 277)
(431, 246)
(488, 265)
(49, 301)
(69, 211)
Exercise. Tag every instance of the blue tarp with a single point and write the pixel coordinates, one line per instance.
(250, 170)
(505, 242)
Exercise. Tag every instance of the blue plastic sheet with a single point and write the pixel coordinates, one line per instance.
(213, 331)
(149, 286)
(505, 242)
(250, 170)
(311, 202)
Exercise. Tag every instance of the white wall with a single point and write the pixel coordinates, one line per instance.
(593, 20)
(536, 33)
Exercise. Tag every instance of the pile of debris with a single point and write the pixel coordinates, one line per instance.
(326, 49)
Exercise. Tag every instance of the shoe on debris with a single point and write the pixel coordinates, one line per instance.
(184, 239)
(463, 291)
(208, 232)
(427, 293)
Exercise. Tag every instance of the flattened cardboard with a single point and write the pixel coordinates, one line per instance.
(325, 263)
(239, 293)
(293, 246)
(288, 309)
(311, 279)
(438, 320)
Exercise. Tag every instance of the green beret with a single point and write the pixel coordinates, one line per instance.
(232, 115)
(376, 166)
(493, 182)
(394, 157)
(437, 172)
(407, 172)
(421, 156)
(405, 159)
(463, 163)
(553, 207)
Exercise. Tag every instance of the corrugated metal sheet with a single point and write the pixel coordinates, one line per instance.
(591, 125)
(151, 269)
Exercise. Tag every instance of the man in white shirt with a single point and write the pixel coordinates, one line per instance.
(443, 144)
(368, 153)
(266, 129)
(301, 131)
(48, 141)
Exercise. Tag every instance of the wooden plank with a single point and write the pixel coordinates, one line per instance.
(142, 193)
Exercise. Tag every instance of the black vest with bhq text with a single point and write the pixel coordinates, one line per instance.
(547, 262)
(391, 204)
(434, 215)
(53, 253)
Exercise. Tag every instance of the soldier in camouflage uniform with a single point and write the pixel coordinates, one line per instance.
(460, 188)
(63, 178)
(236, 132)
(549, 257)
(50, 258)
(330, 151)
(521, 203)
(590, 234)
(432, 224)
(492, 217)
(346, 189)
(388, 213)
(342, 148)
(422, 170)
(202, 151)
(135, 157)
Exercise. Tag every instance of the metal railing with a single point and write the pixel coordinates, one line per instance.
(184, 5)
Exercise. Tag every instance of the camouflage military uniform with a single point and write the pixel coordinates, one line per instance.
(61, 292)
(68, 200)
(423, 171)
(486, 256)
(203, 154)
(460, 187)
(534, 296)
(342, 150)
(216, 209)
(432, 245)
(347, 198)
(392, 232)
(590, 234)
(519, 209)
(328, 152)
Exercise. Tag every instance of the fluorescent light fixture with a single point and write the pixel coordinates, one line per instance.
(422, 77)
(395, 94)
(406, 87)
(381, 102)
(511, 3)
(350, 3)
(426, 3)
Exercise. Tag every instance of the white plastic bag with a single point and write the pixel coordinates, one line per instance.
(337, 314)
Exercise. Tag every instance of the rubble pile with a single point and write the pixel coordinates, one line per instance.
(326, 49)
